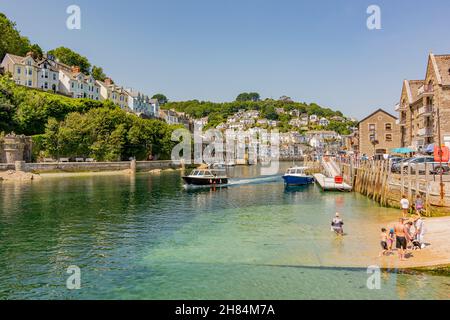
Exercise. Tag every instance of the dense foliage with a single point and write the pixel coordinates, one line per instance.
(71, 58)
(98, 74)
(27, 111)
(107, 135)
(248, 96)
(12, 42)
(162, 99)
(68, 127)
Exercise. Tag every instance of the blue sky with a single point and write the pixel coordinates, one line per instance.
(313, 51)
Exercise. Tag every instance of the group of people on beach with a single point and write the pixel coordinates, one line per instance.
(408, 232)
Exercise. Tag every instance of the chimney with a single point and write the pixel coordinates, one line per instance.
(108, 81)
(76, 69)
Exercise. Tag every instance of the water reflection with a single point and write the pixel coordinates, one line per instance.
(145, 236)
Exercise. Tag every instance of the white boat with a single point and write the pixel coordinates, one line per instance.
(296, 176)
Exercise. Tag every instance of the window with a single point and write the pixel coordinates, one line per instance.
(372, 127)
(388, 126)
(73, 85)
(30, 72)
(54, 76)
(19, 70)
(30, 83)
(372, 137)
(389, 138)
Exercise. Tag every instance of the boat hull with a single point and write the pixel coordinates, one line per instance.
(198, 181)
(298, 181)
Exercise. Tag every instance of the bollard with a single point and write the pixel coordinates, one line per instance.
(133, 166)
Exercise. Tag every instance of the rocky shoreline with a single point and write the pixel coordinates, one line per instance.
(11, 175)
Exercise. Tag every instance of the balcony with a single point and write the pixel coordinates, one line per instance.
(426, 90)
(425, 132)
(401, 107)
(426, 111)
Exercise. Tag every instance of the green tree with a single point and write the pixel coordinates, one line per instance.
(252, 96)
(98, 74)
(37, 51)
(71, 58)
(162, 99)
(10, 39)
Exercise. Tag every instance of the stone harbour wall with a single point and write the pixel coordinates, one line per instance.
(92, 167)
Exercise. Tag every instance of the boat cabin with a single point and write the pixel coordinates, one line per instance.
(202, 173)
(296, 171)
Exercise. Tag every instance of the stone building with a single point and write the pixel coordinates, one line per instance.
(379, 127)
(15, 148)
(420, 103)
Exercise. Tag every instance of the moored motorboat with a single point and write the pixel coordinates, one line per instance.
(296, 176)
(206, 177)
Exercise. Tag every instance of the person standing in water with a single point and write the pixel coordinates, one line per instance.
(337, 224)
(402, 242)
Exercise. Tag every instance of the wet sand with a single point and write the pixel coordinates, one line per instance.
(436, 253)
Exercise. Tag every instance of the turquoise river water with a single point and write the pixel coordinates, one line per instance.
(148, 237)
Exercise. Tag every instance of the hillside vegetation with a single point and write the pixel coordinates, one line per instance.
(66, 127)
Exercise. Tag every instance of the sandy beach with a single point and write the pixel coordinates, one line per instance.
(435, 255)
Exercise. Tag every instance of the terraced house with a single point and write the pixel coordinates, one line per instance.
(378, 134)
(48, 75)
(78, 85)
(424, 108)
(114, 93)
(24, 70)
(140, 103)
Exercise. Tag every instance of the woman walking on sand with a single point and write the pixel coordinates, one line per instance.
(404, 204)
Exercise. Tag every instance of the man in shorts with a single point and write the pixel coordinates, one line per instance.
(400, 235)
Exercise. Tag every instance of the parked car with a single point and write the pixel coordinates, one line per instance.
(398, 163)
(393, 161)
(418, 164)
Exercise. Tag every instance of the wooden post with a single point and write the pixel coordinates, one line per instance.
(417, 182)
(428, 186)
(410, 184)
(402, 188)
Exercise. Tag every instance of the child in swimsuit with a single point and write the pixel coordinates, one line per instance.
(383, 242)
(391, 239)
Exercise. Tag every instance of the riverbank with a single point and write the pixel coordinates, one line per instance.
(61, 174)
(435, 257)
(68, 168)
